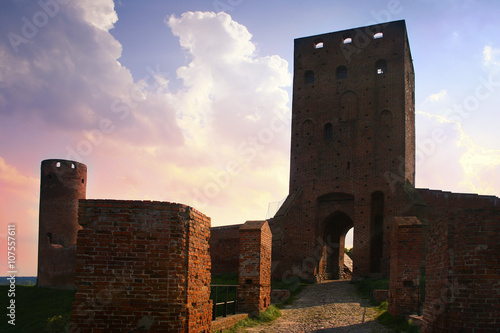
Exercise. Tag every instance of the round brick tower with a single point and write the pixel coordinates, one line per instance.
(62, 184)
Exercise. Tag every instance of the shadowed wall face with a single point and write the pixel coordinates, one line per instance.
(462, 272)
(62, 184)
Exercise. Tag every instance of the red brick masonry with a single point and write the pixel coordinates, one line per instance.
(406, 266)
(225, 249)
(463, 273)
(254, 291)
(142, 264)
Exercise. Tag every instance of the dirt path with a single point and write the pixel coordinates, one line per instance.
(332, 306)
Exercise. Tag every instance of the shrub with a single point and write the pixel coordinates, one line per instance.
(56, 324)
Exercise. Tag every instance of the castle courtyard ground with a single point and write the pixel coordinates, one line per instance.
(333, 306)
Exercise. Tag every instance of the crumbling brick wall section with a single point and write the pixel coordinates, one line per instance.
(254, 291)
(225, 249)
(462, 272)
(142, 264)
(406, 266)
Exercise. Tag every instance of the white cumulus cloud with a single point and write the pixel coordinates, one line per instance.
(447, 155)
(219, 143)
(437, 96)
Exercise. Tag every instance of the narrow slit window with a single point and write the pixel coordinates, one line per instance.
(309, 77)
(381, 67)
(328, 131)
(341, 72)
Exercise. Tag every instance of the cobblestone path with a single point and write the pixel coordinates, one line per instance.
(332, 306)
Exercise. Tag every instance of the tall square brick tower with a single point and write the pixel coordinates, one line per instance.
(352, 151)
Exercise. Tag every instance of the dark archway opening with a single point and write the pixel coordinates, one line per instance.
(335, 229)
(376, 231)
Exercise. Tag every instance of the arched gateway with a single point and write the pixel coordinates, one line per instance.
(335, 228)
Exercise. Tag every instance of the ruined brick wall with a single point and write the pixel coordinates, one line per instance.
(254, 291)
(62, 184)
(462, 273)
(406, 266)
(225, 249)
(142, 264)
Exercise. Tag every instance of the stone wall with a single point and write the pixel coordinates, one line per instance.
(463, 273)
(142, 264)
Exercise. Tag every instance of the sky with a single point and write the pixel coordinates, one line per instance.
(190, 101)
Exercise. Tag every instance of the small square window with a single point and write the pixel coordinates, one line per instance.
(318, 45)
(309, 77)
(341, 72)
(381, 66)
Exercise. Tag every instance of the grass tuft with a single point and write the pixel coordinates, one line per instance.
(396, 324)
(230, 278)
(365, 289)
(272, 313)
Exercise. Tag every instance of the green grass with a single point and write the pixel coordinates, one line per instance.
(272, 313)
(34, 306)
(396, 324)
(294, 294)
(365, 289)
(295, 289)
(225, 279)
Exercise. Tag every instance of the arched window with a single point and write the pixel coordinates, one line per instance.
(378, 35)
(341, 72)
(307, 128)
(309, 77)
(328, 131)
(381, 66)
